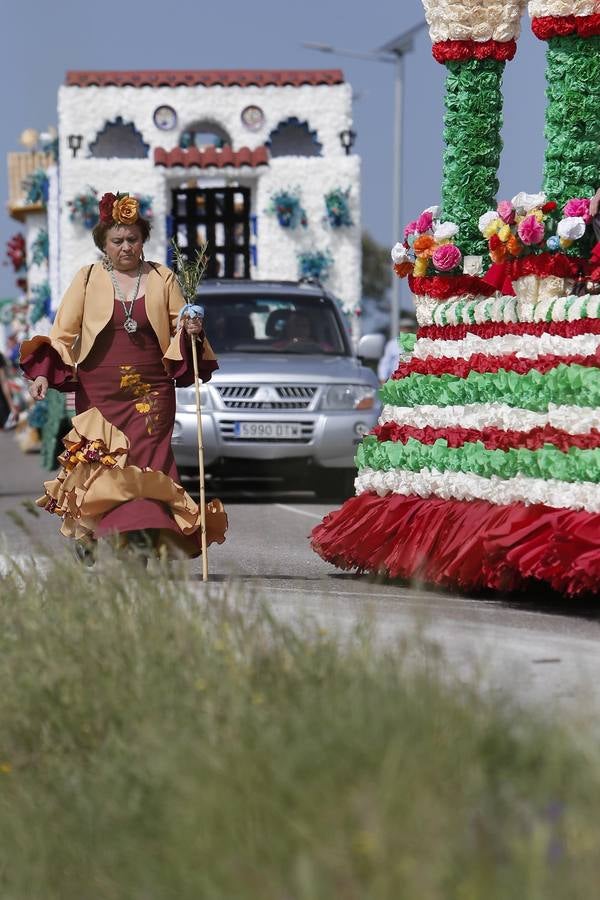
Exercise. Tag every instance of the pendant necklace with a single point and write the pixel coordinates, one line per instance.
(130, 324)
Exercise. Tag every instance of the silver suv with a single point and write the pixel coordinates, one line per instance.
(291, 399)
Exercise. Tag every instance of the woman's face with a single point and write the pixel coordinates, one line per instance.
(124, 246)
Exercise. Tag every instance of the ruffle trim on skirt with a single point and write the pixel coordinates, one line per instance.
(94, 480)
(470, 545)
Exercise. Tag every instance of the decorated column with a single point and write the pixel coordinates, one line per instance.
(473, 40)
(572, 30)
(484, 468)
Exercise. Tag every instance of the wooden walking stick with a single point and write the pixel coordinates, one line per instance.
(189, 276)
(200, 464)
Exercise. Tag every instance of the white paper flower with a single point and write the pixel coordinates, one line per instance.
(572, 228)
(399, 253)
(539, 8)
(523, 202)
(478, 20)
(445, 230)
(487, 218)
(434, 210)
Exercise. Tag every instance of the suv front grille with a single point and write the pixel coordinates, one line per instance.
(283, 397)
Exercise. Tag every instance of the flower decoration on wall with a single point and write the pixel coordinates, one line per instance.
(83, 208)
(16, 252)
(145, 202)
(337, 207)
(286, 205)
(36, 187)
(428, 248)
(40, 247)
(315, 264)
(40, 306)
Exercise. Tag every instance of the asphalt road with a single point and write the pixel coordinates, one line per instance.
(541, 649)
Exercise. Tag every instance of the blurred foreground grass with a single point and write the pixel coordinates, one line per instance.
(154, 747)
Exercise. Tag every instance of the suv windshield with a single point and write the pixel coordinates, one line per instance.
(272, 324)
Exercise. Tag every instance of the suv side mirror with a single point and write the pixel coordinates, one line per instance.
(371, 346)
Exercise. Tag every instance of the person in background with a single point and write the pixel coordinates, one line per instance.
(595, 203)
(7, 407)
(393, 354)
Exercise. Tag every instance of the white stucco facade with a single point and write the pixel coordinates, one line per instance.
(326, 110)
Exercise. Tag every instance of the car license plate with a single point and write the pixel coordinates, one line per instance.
(252, 431)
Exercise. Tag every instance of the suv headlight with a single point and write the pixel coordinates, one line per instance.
(349, 396)
(186, 398)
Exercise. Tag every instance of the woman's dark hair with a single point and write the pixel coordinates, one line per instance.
(101, 229)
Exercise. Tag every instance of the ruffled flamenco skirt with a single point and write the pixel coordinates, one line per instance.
(118, 475)
(98, 493)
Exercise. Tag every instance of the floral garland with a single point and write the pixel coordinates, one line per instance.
(337, 208)
(444, 51)
(286, 206)
(547, 27)
(40, 248)
(494, 20)
(315, 264)
(16, 252)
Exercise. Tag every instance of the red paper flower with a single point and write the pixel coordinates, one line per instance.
(105, 207)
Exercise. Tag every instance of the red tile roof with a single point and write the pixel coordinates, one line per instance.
(208, 78)
(211, 157)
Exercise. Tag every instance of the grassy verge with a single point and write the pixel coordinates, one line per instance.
(156, 748)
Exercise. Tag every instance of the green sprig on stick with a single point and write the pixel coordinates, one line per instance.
(190, 273)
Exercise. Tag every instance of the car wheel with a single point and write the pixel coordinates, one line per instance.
(334, 484)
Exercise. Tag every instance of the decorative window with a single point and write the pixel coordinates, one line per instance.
(294, 138)
(119, 139)
(202, 134)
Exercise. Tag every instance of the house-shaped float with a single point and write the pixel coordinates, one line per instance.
(258, 163)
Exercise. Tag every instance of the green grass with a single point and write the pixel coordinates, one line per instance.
(153, 747)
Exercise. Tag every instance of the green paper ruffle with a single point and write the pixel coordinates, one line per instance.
(472, 122)
(548, 462)
(572, 168)
(565, 385)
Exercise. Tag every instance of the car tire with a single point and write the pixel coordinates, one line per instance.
(334, 484)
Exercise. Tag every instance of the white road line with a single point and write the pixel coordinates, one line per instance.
(300, 512)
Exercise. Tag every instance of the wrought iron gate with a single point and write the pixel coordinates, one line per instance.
(219, 216)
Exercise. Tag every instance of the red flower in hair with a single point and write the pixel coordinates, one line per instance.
(105, 207)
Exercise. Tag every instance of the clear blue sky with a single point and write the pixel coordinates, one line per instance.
(41, 40)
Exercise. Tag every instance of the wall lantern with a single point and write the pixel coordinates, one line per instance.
(75, 141)
(347, 138)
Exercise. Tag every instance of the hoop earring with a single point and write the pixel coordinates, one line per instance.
(142, 257)
(106, 263)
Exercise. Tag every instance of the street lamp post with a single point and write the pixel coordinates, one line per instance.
(392, 52)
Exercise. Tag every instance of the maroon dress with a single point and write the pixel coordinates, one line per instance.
(125, 379)
(105, 487)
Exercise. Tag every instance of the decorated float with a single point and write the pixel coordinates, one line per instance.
(484, 470)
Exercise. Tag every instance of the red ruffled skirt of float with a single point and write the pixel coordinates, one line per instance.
(470, 545)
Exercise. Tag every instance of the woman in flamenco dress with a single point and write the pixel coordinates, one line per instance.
(120, 342)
